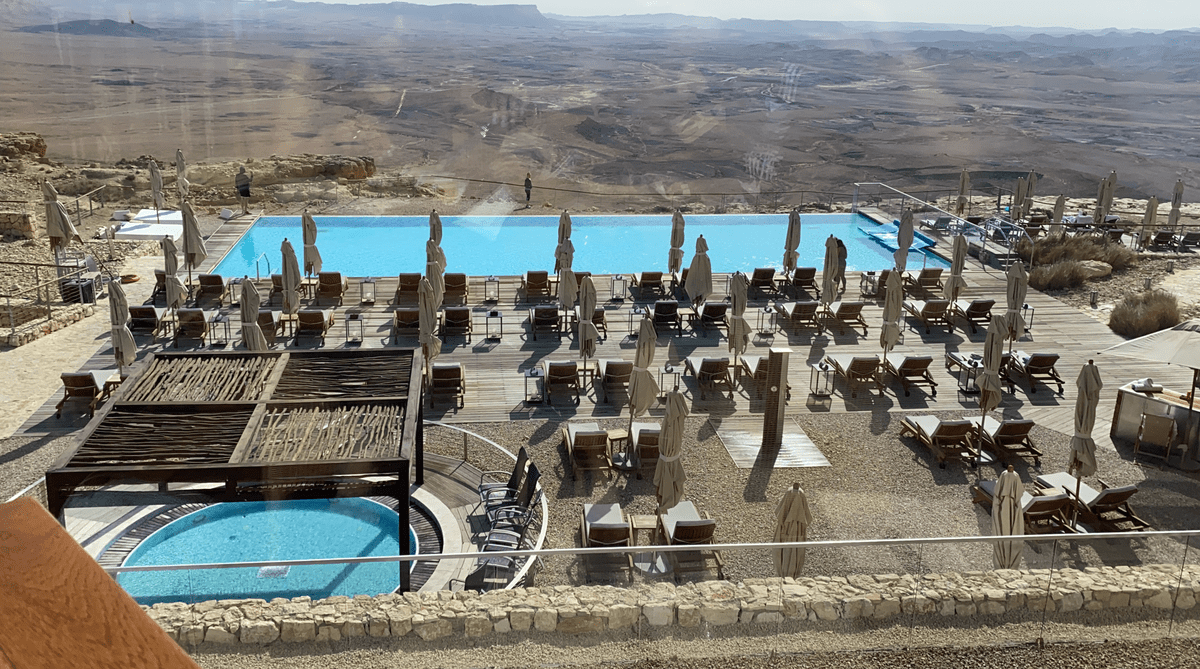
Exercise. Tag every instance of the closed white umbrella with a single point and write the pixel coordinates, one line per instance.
(433, 272)
(194, 251)
(675, 256)
(643, 389)
(588, 334)
(1018, 203)
(312, 256)
(964, 193)
(1060, 208)
(252, 334)
(1110, 190)
(564, 226)
(989, 377)
(829, 283)
(699, 285)
(156, 186)
(59, 228)
(435, 227)
(568, 289)
(668, 474)
(1018, 287)
(564, 256)
(1148, 220)
(1008, 519)
(427, 305)
(792, 519)
(1027, 203)
(181, 183)
(124, 348)
(1176, 203)
(1083, 447)
(958, 262)
(791, 242)
(175, 289)
(893, 310)
(434, 254)
(904, 239)
(739, 327)
(291, 278)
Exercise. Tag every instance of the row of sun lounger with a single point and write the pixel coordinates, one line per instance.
(963, 439)
(1056, 508)
(606, 525)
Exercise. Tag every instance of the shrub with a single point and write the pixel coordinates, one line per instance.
(1142, 313)
(1057, 248)
(1063, 274)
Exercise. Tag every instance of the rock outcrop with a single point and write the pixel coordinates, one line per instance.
(22, 145)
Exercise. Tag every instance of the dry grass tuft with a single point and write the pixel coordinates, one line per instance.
(1054, 249)
(1142, 313)
(1060, 275)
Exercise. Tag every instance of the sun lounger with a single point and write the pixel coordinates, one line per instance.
(876, 286)
(493, 572)
(160, 285)
(800, 315)
(331, 286)
(545, 319)
(1187, 240)
(805, 279)
(512, 514)
(84, 387)
(276, 289)
(645, 443)
(536, 283)
(212, 286)
(959, 360)
(313, 323)
(191, 324)
(562, 377)
(913, 370)
(648, 283)
(615, 375)
(1158, 431)
(270, 323)
(1161, 239)
(587, 447)
(927, 279)
(1036, 367)
(1044, 514)
(763, 280)
(847, 314)
(666, 315)
(147, 320)
(977, 313)
(948, 439)
(856, 369)
(457, 287)
(682, 524)
(406, 322)
(599, 319)
(755, 368)
(711, 374)
(712, 315)
(456, 321)
(494, 487)
(408, 287)
(447, 380)
(1008, 438)
(1106, 509)
(929, 312)
(604, 525)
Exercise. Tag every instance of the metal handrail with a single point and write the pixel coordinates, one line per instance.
(258, 274)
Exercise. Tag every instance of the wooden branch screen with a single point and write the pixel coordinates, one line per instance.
(341, 377)
(203, 379)
(292, 434)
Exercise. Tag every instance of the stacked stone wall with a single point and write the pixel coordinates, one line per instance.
(17, 225)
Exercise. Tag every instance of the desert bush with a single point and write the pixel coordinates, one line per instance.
(1061, 247)
(1142, 313)
(1062, 274)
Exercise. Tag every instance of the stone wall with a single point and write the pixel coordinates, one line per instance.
(572, 611)
(17, 225)
(62, 315)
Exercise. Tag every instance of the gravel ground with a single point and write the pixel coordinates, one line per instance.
(1112, 288)
(24, 460)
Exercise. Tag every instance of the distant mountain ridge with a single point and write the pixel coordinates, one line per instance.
(106, 27)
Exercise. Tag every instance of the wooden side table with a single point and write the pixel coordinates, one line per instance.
(643, 524)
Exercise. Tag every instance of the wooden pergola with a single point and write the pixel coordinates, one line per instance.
(243, 427)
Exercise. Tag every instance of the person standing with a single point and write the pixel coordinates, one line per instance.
(528, 187)
(840, 277)
(242, 182)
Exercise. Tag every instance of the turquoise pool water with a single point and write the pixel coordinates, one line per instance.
(260, 531)
(511, 245)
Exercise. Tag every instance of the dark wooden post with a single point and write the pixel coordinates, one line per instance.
(777, 364)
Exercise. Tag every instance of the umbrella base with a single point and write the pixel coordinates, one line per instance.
(624, 462)
(653, 564)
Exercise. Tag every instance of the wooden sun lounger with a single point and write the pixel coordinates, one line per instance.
(947, 439)
(648, 283)
(1037, 367)
(754, 367)
(587, 447)
(87, 387)
(408, 287)
(1044, 514)
(1106, 509)
(536, 283)
(270, 323)
(856, 369)
(147, 320)
(1008, 438)
(599, 319)
(977, 313)
(929, 312)
(800, 314)
(545, 319)
(805, 278)
(666, 314)
(913, 370)
(456, 321)
(406, 322)
(212, 286)
(682, 524)
(957, 359)
(847, 314)
(712, 374)
(313, 323)
(191, 324)
(602, 525)
(645, 443)
(713, 315)
(1158, 431)
(331, 286)
(763, 280)
(457, 287)
(927, 279)
(615, 374)
(448, 380)
(562, 376)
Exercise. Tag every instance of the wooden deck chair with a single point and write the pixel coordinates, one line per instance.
(1156, 431)
(406, 322)
(587, 447)
(276, 289)
(648, 284)
(712, 374)
(754, 368)
(646, 438)
(408, 287)
(1106, 509)
(599, 319)
(146, 320)
(847, 314)
(313, 323)
(456, 321)
(83, 387)
(929, 312)
(457, 287)
(800, 315)
(1044, 514)
(270, 323)
(1036, 367)
(605, 525)
(666, 315)
(695, 533)
(805, 279)
(331, 286)
(913, 370)
(713, 315)
(562, 377)
(856, 369)
(545, 319)
(212, 286)
(947, 439)
(160, 285)
(190, 324)
(977, 313)
(1008, 438)
(927, 279)
(615, 375)
(535, 283)
(447, 380)
(763, 280)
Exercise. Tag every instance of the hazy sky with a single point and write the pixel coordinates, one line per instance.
(1082, 14)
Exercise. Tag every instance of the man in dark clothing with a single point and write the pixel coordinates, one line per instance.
(528, 187)
(242, 182)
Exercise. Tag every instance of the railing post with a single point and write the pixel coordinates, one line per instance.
(854, 204)
(12, 317)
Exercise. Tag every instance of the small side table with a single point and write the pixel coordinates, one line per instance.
(968, 375)
(233, 286)
(820, 379)
(356, 319)
(491, 289)
(1027, 316)
(366, 289)
(534, 373)
(636, 312)
(493, 315)
(766, 321)
(868, 284)
(618, 287)
(218, 321)
(618, 448)
(667, 372)
(643, 524)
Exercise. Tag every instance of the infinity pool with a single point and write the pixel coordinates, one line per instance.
(511, 245)
(262, 531)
